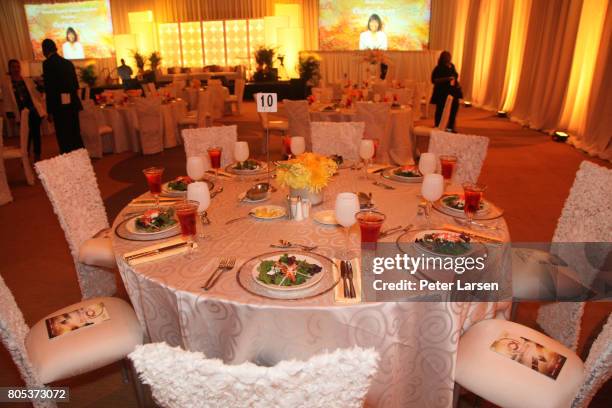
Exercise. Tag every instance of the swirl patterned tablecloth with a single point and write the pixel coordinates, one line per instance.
(417, 341)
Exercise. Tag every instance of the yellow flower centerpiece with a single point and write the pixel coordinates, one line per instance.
(307, 175)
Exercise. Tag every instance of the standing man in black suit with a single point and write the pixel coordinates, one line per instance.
(63, 103)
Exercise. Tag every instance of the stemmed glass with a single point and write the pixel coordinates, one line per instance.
(431, 190)
(427, 163)
(298, 145)
(366, 152)
(196, 167)
(347, 206)
(186, 213)
(472, 194)
(447, 166)
(287, 146)
(376, 142)
(241, 151)
(154, 177)
(214, 154)
(198, 192)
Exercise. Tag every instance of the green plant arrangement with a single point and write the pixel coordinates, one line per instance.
(139, 59)
(309, 68)
(155, 60)
(88, 75)
(264, 57)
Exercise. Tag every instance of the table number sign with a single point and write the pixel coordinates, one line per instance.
(267, 102)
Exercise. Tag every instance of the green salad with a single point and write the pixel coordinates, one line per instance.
(445, 243)
(155, 220)
(180, 183)
(247, 165)
(286, 271)
(407, 171)
(457, 202)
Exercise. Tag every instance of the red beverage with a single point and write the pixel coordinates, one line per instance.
(472, 195)
(154, 178)
(214, 153)
(447, 164)
(375, 142)
(186, 213)
(370, 223)
(287, 145)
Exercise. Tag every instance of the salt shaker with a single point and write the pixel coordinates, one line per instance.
(305, 207)
(289, 207)
(299, 216)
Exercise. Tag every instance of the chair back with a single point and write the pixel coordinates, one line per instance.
(197, 141)
(13, 332)
(341, 138)
(152, 89)
(203, 107)
(583, 239)
(217, 99)
(5, 191)
(239, 85)
(598, 367)
(379, 88)
(90, 131)
(443, 125)
(337, 379)
(299, 119)
(377, 118)
(470, 151)
(214, 82)
(148, 112)
(24, 132)
(70, 183)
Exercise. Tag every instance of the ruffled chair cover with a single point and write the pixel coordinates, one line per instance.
(299, 120)
(70, 183)
(585, 223)
(470, 151)
(90, 131)
(150, 126)
(337, 379)
(340, 138)
(13, 331)
(377, 118)
(598, 367)
(5, 191)
(197, 141)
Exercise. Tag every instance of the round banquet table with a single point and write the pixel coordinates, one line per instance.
(402, 142)
(417, 341)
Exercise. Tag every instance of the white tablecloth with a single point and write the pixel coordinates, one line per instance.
(401, 141)
(417, 340)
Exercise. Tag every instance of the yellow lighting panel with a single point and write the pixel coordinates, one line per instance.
(191, 44)
(214, 44)
(256, 38)
(169, 44)
(236, 42)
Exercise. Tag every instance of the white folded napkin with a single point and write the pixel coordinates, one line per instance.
(339, 288)
(161, 255)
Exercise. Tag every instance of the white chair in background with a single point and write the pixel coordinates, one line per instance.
(470, 151)
(200, 117)
(425, 131)
(41, 360)
(217, 99)
(341, 138)
(337, 379)
(496, 376)
(150, 126)
(5, 191)
(70, 183)
(197, 141)
(21, 151)
(377, 118)
(298, 115)
(582, 240)
(214, 82)
(152, 89)
(323, 94)
(93, 133)
(236, 99)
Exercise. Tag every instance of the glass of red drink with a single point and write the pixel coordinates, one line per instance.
(154, 179)
(186, 212)
(447, 164)
(472, 195)
(214, 154)
(370, 223)
(287, 146)
(376, 143)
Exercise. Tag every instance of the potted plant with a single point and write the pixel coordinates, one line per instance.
(88, 75)
(264, 57)
(155, 62)
(307, 175)
(309, 65)
(139, 59)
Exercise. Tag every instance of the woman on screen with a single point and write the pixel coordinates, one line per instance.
(72, 48)
(374, 37)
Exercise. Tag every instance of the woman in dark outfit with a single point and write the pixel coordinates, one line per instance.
(444, 77)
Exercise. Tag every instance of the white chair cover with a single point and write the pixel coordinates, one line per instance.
(217, 97)
(90, 131)
(377, 118)
(470, 151)
(197, 141)
(152, 89)
(70, 183)
(299, 119)
(337, 379)
(585, 223)
(324, 95)
(203, 108)
(5, 191)
(150, 126)
(340, 138)
(239, 85)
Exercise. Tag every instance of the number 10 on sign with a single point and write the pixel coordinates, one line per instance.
(267, 102)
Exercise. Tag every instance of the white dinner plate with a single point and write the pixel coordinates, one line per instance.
(485, 206)
(131, 227)
(277, 212)
(242, 197)
(421, 234)
(262, 167)
(390, 174)
(309, 283)
(326, 217)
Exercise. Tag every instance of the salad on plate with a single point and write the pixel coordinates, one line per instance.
(180, 183)
(444, 242)
(287, 271)
(407, 171)
(457, 202)
(155, 220)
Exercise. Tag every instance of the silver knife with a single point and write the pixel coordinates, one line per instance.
(344, 279)
(156, 251)
(349, 275)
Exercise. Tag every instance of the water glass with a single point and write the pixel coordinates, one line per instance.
(428, 163)
(431, 190)
(347, 206)
(196, 167)
(298, 145)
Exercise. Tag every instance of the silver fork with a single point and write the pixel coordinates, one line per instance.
(287, 244)
(383, 185)
(225, 264)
